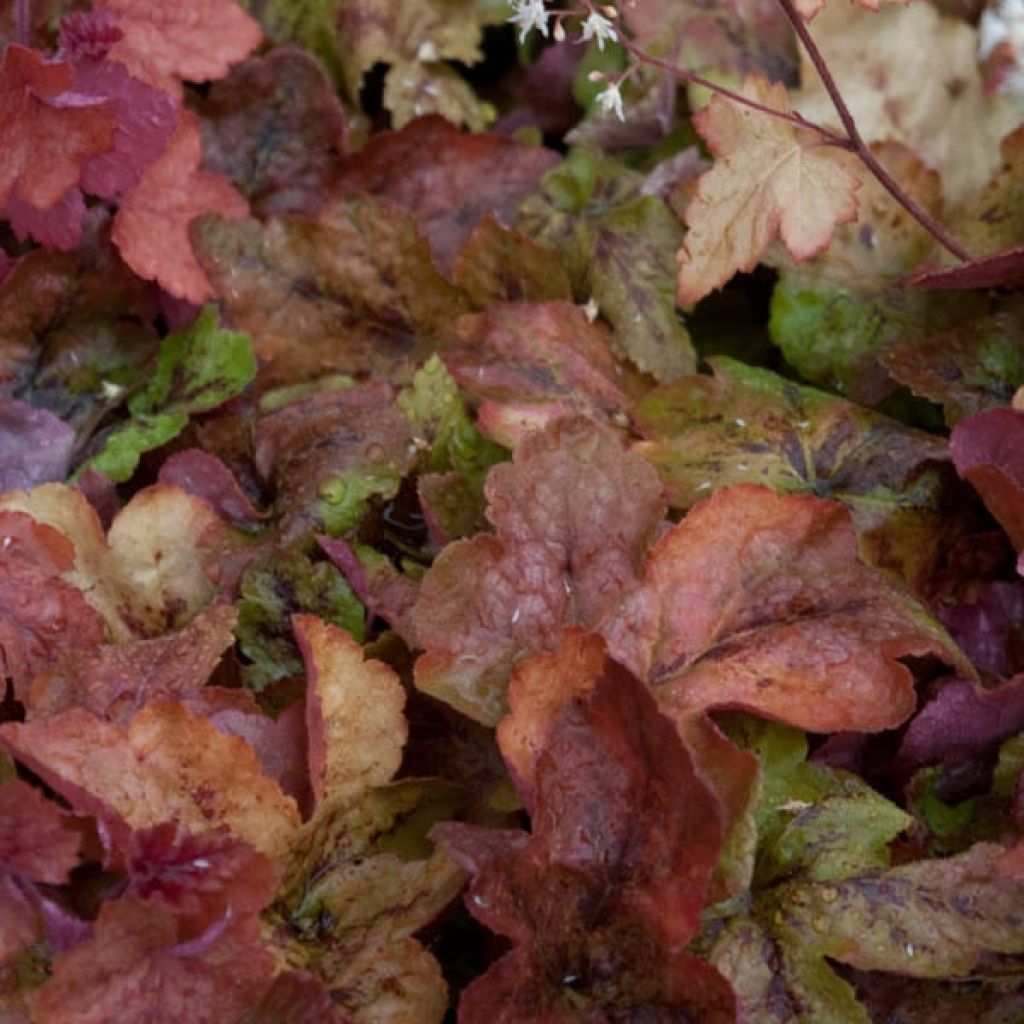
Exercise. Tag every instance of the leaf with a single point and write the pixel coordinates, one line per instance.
(34, 596)
(354, 713)
(45, 140)
(296, 997)
(163, 44)
(962, 723)
(543, 360)
(138, 967)
(113, 681)
(271, 591)
(205, 476)
(990, 628)
(616, 242)
(151, 226)
(573, 514)
(275, 128)
(805, 189)
(414, 37)
(198, 369)
(449, 181)
(967, 369)
(759, 601)
(599, 897)
(168, 764)
(354, 291)
(35, 446)
(957, 133)
(747, 425)
(328, 454)
(986, 451)
(308, 23)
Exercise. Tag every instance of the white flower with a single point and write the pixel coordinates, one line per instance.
(1004, 24)
(610, 100)
(598, 27)
(529, 15)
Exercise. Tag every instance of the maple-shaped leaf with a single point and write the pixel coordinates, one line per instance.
(987, 452)
(573, 514)
(114, 681)
(616, 242)
(354, 713)
(801, 189)
(532, 363)
(37, 844)
(147, 574)
(354, 291)
(45, 135)
(139, 968)
(747, 425)
(35, 446)
(989, 627)
(35, 596)
(164, 43)
(151, 226)
(448, 180)
(198, 368)
(599, 897)
(168, 764)
(204, 876)
(760, 601)
(276, 129)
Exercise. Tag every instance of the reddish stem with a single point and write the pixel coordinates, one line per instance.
(858, 146)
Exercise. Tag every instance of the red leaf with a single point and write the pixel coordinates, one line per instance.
(138, 970)
(36, 841)
(57, 227)
(759, 601)
(40, 614)
(203, 876)
(997, 270)
(45, 134)
(113, 681)
(573, 515)
(296, 997)
(163, 43)
(611, 882)
(205, 476)
(448, 180)
(151, 227)
(988, 451)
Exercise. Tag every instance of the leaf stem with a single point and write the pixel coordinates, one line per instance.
(857, 145)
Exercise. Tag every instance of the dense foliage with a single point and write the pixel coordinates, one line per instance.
(511, 512)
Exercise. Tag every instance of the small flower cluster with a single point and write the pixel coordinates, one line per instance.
(598, 26)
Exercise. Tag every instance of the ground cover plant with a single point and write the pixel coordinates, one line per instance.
(511, 512)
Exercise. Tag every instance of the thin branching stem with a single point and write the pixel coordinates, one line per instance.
(849, 139)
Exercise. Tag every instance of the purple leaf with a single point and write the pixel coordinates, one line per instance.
(35, 446)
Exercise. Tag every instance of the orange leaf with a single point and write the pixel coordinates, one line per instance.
(44, 143)
(163, 43)
(168, 765)
(353, 713)
(770, 179)
(151, 228)
(759, 601)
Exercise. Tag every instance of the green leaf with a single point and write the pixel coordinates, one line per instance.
(434, 407)
(619, 248)
(198, 368)
(310, 23)
(274, 589)
(747, 425)
(344, 498)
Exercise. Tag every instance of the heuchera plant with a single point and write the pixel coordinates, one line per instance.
(511, 512)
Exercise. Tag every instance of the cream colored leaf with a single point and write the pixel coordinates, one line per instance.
(770, 179)
(910, 75)
(353, 713)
